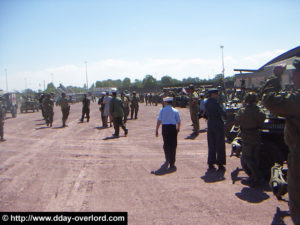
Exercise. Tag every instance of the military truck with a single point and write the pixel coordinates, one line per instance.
(29, 105)
(9, 103)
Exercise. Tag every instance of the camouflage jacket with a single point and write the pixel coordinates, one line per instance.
(64, 103)
(251, 120)
(288, 106)
(125, 102)
(135, 101)
(194, 105)
(47, 104)
(116, 107)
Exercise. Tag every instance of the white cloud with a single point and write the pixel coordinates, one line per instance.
(119, 69)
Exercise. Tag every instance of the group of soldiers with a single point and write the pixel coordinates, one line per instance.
(47, 104)
(250, 118)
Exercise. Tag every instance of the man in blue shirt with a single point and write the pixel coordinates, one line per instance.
(170, 120)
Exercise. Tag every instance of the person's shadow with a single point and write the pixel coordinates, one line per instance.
(213, 175)
(100, 128)
(279, 216)
(40, 128)
(111, 137)
(235, 175)
(252, 195)
(61, 127)
(203, 130)
(163, 170)
(192, 136)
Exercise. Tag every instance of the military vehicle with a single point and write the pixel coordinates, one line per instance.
(9, 103)
(231, 108)
(273, 149)
(29, 105)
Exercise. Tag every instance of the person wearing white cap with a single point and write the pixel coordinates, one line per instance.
(170, 120)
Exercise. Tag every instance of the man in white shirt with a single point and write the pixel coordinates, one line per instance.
(170, 120)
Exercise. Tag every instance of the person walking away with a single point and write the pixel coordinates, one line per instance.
(288, 106)
(125, 102)
(117, 113)
(251, 119)
(101, 108)
(106, 113)
(134, 105)
(65, 109)
(85, 108)
(215, 131)
(48, 109)
(170, 120)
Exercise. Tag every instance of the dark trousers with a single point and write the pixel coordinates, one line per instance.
(65, 114)
(87, 113)
(118, 122)
(126, 113)
(169, 133)
(134, 110)
(216, 145)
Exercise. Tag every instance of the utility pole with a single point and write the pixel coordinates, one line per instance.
(6, 79)
(223, 71)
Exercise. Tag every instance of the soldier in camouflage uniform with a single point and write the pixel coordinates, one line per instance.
(1, 121)
(273, 82)
(134, 105)
(48, 109)
(194, 109)
(85, 108)
(117, 113)
(65, 108)
(288, 106)
(125, 102)
(251, 119)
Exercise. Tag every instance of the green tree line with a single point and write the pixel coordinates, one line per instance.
(149, 83)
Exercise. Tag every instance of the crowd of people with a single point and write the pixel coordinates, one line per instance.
(209, 104)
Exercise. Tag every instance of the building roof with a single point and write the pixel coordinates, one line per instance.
(295, 52)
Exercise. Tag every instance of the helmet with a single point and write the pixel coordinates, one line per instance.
(251, 97)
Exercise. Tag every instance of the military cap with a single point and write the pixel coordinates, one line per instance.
(113, 90)
(134, 92)
(213, 90)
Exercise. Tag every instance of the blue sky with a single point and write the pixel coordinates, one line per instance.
(49, 40)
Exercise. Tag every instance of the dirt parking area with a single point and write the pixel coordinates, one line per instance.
(80, 168)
